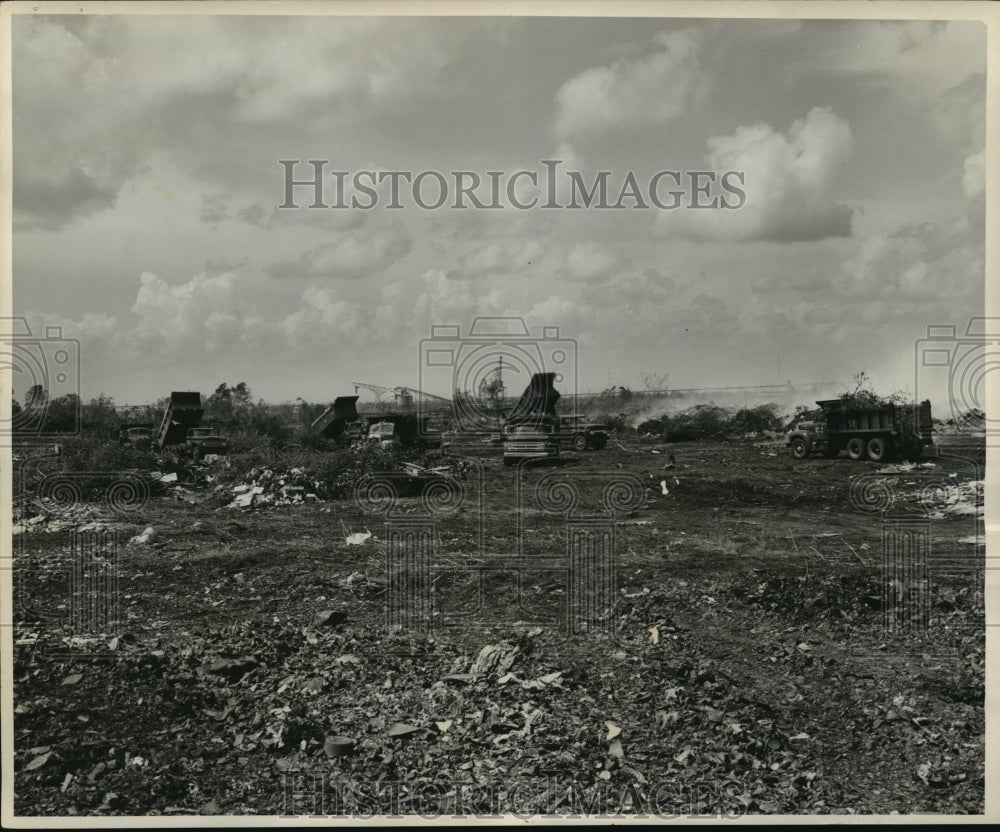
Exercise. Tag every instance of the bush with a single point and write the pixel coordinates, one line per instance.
(756, 419)
(615, 423)
(703, 421)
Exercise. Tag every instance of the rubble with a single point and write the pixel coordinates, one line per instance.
(144, 539)
(267, 486)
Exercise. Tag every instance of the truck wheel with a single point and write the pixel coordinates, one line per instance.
(800, 450)
(856, 447)
(878, 449)
(579, 442)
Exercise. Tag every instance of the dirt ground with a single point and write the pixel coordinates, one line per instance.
(731, 656)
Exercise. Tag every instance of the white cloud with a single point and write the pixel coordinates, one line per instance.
(787, 182)
(593, 261)
(974, 174)
(497, 258)
(652, 89)
(352, 255)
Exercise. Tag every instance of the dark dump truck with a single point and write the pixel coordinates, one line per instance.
(880, 432)
(529, 432)
(181, 429)
(340, 419)
(408, 429)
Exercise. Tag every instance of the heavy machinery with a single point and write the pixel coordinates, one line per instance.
(529, 430)
(877, 432)
(407, 429)
(339, 419)
(180, 428)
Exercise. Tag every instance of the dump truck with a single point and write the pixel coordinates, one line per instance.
(339, 419)
(877, 432)
(530, 428)
(407, 429)
(184, 411)
(180, 428)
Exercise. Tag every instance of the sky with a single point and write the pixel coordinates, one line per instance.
(147, 186)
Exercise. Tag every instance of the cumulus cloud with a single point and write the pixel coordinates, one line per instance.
(120, 94)
(592, 261)
(206, 313)
(497, 258)
(352, 255)
(787, 182)
(974, 174)
(447, 301)
(651, 89)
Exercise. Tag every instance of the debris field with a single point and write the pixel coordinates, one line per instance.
(748, 654)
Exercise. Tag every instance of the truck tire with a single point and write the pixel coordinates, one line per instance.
(579, 442)
(856, 447)
(800, 450)
(878, 449)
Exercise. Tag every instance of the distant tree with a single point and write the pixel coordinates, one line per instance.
(36, 396)
(219, 406)
(241, 396)
(63, 414)
(99, 416)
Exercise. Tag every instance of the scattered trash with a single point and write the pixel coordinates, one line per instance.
(402, 729)
(338, 746)
(144, 539)
(329, 618)
(266, 486)
(358, 538)
(495, 659)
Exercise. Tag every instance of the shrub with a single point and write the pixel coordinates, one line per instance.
(703, 421)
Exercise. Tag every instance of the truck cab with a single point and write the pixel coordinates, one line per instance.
(200, 442)
(530, 439)
(138, 436)
(382, 434)
(574, 431)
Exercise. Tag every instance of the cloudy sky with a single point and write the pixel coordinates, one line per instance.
(147, 187)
